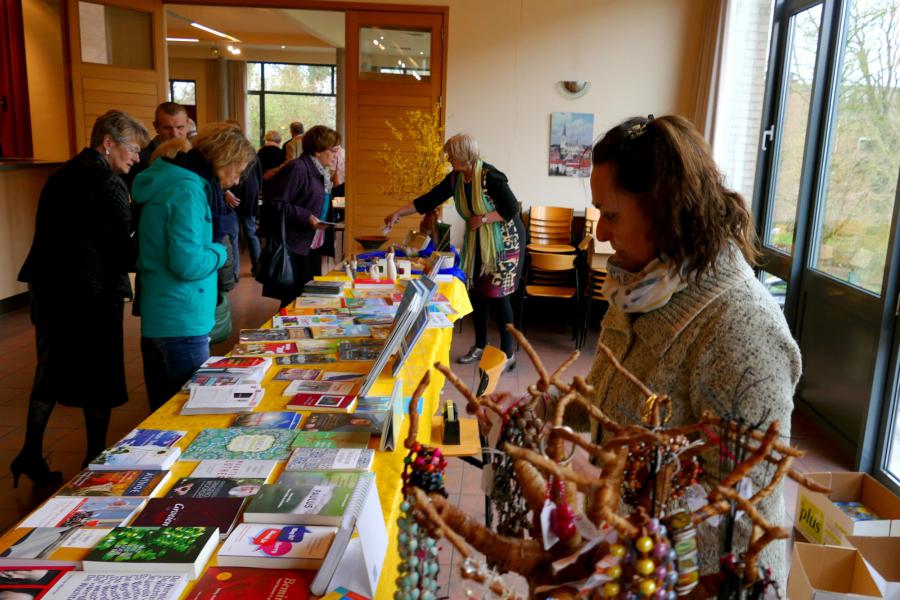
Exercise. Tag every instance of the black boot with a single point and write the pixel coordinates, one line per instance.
(36, 469)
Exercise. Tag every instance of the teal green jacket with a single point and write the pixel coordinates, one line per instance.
(177, 259)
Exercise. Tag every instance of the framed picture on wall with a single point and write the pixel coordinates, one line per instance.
(571, 135)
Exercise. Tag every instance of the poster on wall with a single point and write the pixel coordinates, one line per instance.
(571, 135)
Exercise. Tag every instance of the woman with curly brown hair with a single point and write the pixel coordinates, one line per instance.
(687, 315)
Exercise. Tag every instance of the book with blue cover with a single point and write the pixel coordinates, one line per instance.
(151, 437)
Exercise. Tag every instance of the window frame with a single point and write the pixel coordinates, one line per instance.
(172, 88)
(262, 91)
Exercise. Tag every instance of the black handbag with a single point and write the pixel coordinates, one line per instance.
(274, 269)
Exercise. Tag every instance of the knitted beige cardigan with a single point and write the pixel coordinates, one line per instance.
(717, 340)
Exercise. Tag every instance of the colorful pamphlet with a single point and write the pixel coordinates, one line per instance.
(360, 350)
(106, 513)
(340, 331)
(135, 457)
(312, 358)
(263, 335)
(151, 437)
(29, 582)
(857, 511)
(296, 374)
(227, 362)
(319, 387)
(265, 348)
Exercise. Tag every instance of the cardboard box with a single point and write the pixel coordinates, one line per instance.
(829, 573)
(821, 522)
(882, 554)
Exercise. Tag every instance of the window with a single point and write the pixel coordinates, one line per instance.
(281, 93)
(184, 92)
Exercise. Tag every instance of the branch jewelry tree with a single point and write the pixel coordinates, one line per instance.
(635, 538)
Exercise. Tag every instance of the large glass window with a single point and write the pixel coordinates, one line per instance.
(864, 149)
(281, 93)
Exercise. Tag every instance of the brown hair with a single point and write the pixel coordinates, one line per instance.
(320, 138)
(223, 144)
(668, 165)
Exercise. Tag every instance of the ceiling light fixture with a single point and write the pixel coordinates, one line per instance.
(213, 31)
(180, 39)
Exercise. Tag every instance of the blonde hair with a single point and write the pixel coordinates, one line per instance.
(462, 147)
(170, 149)
(224, 144)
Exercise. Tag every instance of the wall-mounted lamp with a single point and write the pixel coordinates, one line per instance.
(574, 89)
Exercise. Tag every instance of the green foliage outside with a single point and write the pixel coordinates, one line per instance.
(281, 110)
(862, 168)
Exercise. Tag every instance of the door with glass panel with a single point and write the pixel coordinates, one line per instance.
(826, 204)
(117, 60)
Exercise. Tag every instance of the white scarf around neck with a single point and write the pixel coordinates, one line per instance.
(641, 292)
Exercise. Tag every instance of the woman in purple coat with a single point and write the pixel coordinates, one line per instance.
(301, 193)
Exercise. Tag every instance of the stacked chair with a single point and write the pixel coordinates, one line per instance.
(596, 254)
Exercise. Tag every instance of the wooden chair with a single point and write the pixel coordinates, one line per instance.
(550, 229)
(543, 264)
(596, 276)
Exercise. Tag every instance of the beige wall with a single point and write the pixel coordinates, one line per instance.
(506, 56)
(46, 79)
(207, 84)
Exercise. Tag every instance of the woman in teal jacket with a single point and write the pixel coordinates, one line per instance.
(177, 259)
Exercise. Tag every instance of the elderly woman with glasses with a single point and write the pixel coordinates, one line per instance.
(494, 233)
(81, 253)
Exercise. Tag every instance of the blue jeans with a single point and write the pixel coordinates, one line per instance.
(248, 224)
(169, 362)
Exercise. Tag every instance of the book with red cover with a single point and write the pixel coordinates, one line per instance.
(236, 361)
(332, 403)
(240, 583)
(191, 512)
(30, 581)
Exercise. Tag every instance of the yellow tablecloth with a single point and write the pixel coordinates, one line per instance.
(434, 345)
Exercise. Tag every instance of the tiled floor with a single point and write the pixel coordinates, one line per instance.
(65, 445)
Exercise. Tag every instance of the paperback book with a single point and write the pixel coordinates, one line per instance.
(305, 302)
(223, 399)
(268, 420)
(168, 550)
(316, 346)
(304, 498)
(151, 437)
(375, 320)
(341, 376)
(319, 387)
(332, 439)
(114, 483)
(373, 423)
(271, 546)
(306, 321)
(135, 457)
(296, 374)
(29, 582)
(311, 358)
(324, 289)
(104, 513)
(108, 586)
(214, 377)
(215, 487)
(237, 362)
(340, 331)
(330, 403)
(263, 335)
(240, 443)
(857, 511)
(360, 350)
(221, 513)
(330, 459)
(241, 583)
(241, 469)
(265, 348)
(51, 546)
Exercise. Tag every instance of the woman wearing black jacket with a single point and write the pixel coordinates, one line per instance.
(491, 253)
(77, 276)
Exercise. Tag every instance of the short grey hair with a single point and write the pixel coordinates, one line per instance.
(121, 127)
(462, 147)
(273, 136)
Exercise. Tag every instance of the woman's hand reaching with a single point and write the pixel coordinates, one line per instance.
(317, 223)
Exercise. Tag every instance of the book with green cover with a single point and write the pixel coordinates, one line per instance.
(153, 550)
(332, 439)
(241, 443)
(304, 498)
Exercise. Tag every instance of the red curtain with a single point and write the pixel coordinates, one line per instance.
(15, 117)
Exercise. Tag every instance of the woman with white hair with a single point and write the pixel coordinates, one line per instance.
(491, 254)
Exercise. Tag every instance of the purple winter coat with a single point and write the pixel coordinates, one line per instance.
(297, 190)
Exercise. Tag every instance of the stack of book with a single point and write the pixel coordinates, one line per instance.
(333, 289)
(217, 400)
